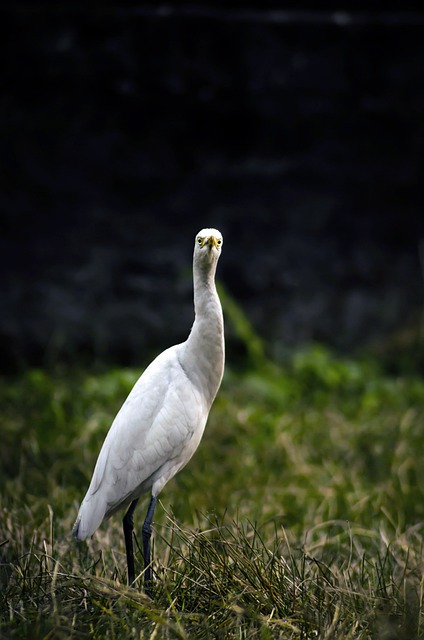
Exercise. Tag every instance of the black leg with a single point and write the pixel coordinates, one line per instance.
(147, 532)
(128, 523)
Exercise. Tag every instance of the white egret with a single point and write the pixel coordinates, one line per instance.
(161, 423)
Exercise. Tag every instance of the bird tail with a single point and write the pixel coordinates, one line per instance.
(90, 516)
(75, 529)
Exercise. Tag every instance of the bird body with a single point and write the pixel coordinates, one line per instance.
(152, 437)
(162, 421)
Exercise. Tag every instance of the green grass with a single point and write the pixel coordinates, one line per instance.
(300, 516)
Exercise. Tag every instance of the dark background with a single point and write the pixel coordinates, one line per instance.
(124, 129)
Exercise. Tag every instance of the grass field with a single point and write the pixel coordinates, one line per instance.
(300, 515)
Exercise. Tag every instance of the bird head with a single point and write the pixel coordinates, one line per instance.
(208, 244)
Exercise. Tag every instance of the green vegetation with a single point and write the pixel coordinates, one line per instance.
(300, 516)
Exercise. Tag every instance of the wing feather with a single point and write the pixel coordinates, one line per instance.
(150, 434)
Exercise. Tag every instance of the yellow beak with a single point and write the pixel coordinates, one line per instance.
(212, 242)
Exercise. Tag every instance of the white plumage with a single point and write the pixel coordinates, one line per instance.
(161, 423)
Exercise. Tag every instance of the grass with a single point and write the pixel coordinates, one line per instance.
(300, 516)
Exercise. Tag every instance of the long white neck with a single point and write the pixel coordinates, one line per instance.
(203, 352)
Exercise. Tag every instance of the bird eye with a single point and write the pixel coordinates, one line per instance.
(200, 241)
(219, 242)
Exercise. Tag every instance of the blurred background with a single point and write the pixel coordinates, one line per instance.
(297, 130)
